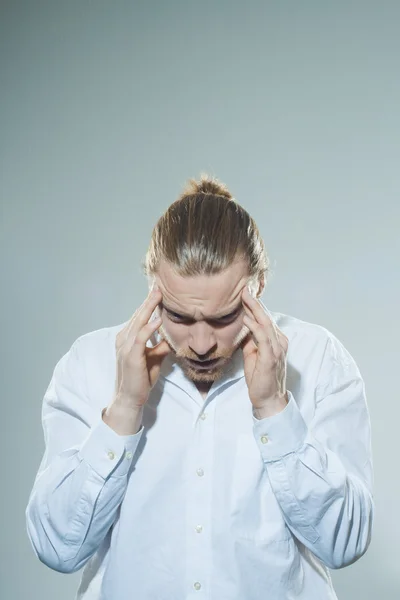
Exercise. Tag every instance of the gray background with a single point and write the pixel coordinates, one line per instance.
(107, 107)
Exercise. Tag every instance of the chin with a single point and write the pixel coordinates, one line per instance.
(198, 376)
(201, 377)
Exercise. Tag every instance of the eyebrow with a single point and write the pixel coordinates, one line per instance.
(215, 318)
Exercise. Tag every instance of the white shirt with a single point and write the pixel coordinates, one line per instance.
(205, 502)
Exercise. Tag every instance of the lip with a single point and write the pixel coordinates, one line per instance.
(205, 365)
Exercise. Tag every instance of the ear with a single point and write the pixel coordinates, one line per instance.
(261, 285)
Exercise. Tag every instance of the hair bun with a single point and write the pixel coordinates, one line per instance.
(208, 185)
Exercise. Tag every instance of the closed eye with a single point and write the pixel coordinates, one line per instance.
(225, 320)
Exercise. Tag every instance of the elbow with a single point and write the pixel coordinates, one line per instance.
(51, 558)
(345, 559)
(45, 544)
(347, 551)
(56, 564)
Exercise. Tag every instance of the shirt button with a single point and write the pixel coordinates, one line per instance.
(197, 586)
(200, 472)
(203, 416)
(128, 455)
(199, 528)
(264, 439)
(111, 455)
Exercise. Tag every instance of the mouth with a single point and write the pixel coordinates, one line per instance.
(203, 365)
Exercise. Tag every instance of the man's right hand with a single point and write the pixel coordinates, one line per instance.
(138, 368)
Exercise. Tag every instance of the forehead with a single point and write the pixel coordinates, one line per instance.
(202, 295)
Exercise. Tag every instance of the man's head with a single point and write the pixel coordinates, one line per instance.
(204, 250)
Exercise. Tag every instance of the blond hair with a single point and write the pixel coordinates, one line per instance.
(205, 231)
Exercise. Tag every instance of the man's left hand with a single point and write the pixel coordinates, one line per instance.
(264, 355)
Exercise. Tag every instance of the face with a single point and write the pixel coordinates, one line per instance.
(202, 318)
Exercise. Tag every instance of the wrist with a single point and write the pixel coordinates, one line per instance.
(271, 407)
(123, 420)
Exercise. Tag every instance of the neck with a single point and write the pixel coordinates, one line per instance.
(203, 387)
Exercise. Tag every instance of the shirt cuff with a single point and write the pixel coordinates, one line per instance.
(107, 452)
(280, 434)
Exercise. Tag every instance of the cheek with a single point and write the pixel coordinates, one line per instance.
(228, 335)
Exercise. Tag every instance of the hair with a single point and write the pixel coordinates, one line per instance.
(205, 231)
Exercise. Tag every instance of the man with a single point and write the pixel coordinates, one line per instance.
(206, 448)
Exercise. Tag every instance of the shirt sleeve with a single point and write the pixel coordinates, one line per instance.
(321, 473)
(83, 475)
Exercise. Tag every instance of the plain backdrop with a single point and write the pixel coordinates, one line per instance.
(107, 108)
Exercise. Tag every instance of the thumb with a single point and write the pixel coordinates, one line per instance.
(248, 346)
(157, 354)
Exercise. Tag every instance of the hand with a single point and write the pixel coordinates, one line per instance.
(264, 356)
(138, 367)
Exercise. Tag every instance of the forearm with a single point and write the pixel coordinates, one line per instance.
(327, 507)
(62, 514)
(65, 516)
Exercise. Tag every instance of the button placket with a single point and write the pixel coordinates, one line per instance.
(199, 503)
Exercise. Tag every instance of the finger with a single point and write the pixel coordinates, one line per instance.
(262, 315)
(155, 357)
(142, 316)
(247, 309)
(141, 338)
(145, 301)
(248, 345)
(159, 351)
(266, 343)
(146, 309)
(259, 314)
(274, 335)
(282, 339)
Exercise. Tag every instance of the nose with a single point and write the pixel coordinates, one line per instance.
(201, 339)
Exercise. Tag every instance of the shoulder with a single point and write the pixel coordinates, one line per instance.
(294, 327)
(102, 335)
(311, 342)
(97, 343)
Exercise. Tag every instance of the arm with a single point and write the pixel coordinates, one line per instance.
(321, 474)
(83, 475)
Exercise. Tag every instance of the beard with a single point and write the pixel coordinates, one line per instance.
(204, 375)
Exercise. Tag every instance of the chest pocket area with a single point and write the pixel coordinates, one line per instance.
(254, 511)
